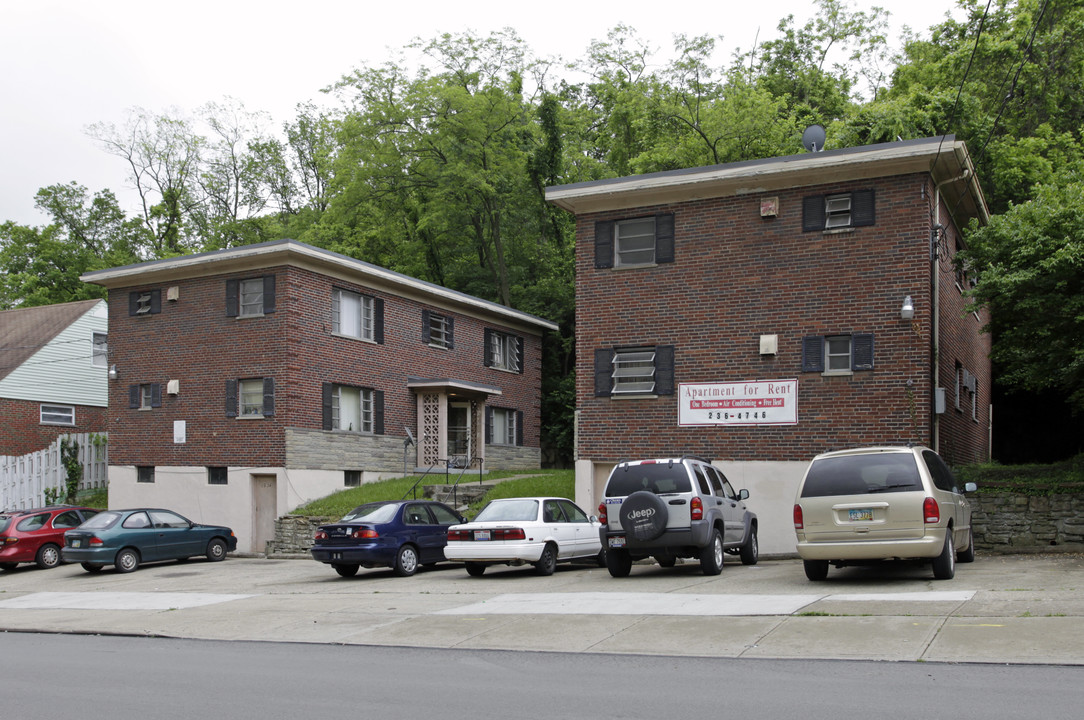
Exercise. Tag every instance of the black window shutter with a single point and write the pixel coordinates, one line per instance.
(862, 352)
(664, 370)
(604, 244)
(519, 427)
(378, 412)
(156, 301)
(863, 208)
(134, 399)
(489, 425)
(603, 372)
(325, 405)
(268, 397)
(519, 352)
(487, 352)
(813, 353)
(231, 398)
(268, 294)
(664, 238)
(425, 326)
(449, 326)
(232, 298)
(378, 320)
(812, 213)
(133, 303)
(156, 395)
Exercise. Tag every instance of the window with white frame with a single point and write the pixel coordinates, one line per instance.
(250, 296)
(57, 414)
(503, 351)
(838, 210)
(634, 371)
(144, 396)
(352, 314)
(634, 242)
(99, 356)
(351, 409)
(250, 397)
(503, 428)
(837, 354)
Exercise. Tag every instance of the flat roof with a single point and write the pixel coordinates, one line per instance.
(299, 254)
(944, 157)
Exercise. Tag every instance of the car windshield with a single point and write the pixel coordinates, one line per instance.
(862, 474)
(659, 478)
(101, 521)
(372, 513)
(503, 510)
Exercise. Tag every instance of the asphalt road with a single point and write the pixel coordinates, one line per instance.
(164, 679)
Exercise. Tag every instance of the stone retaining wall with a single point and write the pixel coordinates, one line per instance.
(1007, 521)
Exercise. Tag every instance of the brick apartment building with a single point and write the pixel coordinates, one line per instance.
(52, 374)
(759, 313)
(252, 380)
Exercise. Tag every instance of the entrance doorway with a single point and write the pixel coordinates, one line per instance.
(459, 434)
(264, 511)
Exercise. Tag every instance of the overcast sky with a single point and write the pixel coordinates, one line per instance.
(67, 64)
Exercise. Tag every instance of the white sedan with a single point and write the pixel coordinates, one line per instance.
(542, 531)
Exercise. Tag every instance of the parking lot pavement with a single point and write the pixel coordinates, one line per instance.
(999, 609)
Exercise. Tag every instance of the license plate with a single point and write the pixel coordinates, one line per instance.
(76, 543)
(482, 535)
(618, 541)
(863, 515)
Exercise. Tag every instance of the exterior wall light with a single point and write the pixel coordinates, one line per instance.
(112, 372)
(908, 310)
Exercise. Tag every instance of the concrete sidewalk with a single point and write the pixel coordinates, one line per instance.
(999, 609)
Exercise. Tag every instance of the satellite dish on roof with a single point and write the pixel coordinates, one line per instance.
(813, 138)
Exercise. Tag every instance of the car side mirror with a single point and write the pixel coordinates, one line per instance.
(743, 494)
(970, 487)
(593, 518)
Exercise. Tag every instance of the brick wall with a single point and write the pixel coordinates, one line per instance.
(736, 276)
(21, 430)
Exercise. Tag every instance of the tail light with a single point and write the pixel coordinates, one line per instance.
(602, 514)
(96, 541)
(320, 535)
(799, 519)
(459, 535)
(930, 511)
(696, 509)
(509, 534)
(365, 533)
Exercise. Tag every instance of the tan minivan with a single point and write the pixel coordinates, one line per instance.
(882, 503)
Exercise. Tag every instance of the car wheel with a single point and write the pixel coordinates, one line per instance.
(968, 555)
(91, 567)
(8, 566)
(816, 570)
(750, 551)
(619, 563)
(126, 561)
(711, 557)
(406, 561)
(475, 569)
(346, 570)
(216, 550)
(666, 561)
(944, 565)
(48, 556)
(547, 563)
(643, 515)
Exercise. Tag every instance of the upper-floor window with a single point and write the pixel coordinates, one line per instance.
(503, 351)
(145, 396)
(635, 371)
(634, 242)
(250, 397)
(99, 352)
(145, 302)
(356, 315)
(250, 297)
(57, 414)
(437, 330)
(838, 210)
(837, 354)
(353, 409)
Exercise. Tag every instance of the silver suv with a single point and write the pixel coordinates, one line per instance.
(674, 507)
(882, 503)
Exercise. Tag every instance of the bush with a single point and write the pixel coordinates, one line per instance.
(1063, 478)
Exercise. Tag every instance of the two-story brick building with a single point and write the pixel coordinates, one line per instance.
(759, 313)
(249, 381)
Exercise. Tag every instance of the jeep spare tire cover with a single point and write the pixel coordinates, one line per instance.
(643, 515)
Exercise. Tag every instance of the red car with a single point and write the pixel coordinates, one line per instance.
(36, 536)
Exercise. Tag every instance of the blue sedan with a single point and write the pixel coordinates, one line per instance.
(128, 538)
(399, 534)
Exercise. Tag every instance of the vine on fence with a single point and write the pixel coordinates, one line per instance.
(69, 458)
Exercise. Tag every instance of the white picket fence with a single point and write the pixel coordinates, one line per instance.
(24, 479)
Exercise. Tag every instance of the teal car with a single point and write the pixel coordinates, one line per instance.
(126, 539)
